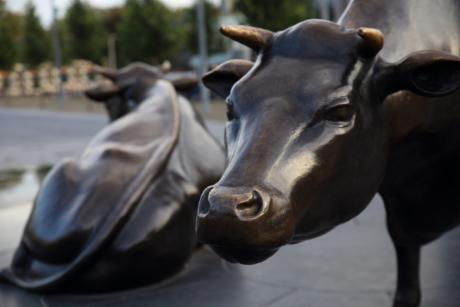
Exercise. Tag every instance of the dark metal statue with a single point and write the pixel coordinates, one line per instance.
(326, 118)
(122, 215)
(117, 94)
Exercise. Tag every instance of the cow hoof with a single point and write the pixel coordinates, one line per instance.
(408, 299)
(403, 304)
(198, 246)
(400, 303)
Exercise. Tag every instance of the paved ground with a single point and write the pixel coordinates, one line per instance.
(32, 138)
(352, 266)
(29, 137)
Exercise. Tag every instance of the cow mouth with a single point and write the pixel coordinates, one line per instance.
(243, 255)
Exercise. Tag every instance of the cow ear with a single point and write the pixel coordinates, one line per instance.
(102, 93)
(221, 79)
(183, 81)
(425, 73)
(106, 72)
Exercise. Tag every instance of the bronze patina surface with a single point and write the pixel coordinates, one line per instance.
(329, 115)
(122, 215)
(120, 94)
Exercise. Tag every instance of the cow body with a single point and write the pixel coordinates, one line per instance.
(419, 184)
(352, 119)
(122, 215)
(420, 189)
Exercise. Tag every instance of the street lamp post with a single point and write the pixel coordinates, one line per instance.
(57, 53)
(202, 43)
(112, 48)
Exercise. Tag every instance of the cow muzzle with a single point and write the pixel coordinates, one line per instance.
(245, 225)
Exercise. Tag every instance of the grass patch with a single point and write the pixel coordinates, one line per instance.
(10, 178)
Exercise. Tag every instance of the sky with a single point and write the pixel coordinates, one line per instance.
(45, 13)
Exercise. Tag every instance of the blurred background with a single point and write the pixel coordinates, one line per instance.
(47, 47)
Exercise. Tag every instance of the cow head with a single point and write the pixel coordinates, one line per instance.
(307, 134)
(126, 88)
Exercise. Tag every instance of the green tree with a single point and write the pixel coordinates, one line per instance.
(275, 15)
(85, 37)
(35, 42)
(215, 41)
(111, 19)
(147, 32)
(10, 31)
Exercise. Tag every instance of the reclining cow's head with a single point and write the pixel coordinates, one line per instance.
(307, 134)
(126, 88)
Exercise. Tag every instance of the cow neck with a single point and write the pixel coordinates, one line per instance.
(140, 90)
(196, 129)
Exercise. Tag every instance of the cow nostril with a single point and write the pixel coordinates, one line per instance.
(204, 206)
(251, 208)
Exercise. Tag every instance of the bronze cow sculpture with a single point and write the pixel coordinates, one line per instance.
(123, 214)
(119, 102)
(328, 116)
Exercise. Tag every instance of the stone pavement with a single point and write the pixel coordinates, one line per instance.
(352, 266)
(33, 138)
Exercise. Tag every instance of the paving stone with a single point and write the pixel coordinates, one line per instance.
(353, 266)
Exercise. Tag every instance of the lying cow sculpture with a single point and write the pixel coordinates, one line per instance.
(119, 103)
(326, 118)
(123, 214)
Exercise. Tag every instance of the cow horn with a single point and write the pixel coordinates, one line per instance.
(373, 41)
(108, 73)
(255, 38)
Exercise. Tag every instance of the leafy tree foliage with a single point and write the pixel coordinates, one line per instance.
(275, 15)
(189, 22)
(146, 32)
(36, 41)
(10, 29)
(85, 37)
(111, 19)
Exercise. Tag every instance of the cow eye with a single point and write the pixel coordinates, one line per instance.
(340, 113)
(230, 111)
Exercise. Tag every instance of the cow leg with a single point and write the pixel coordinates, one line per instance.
(408, 293)
(407, 245)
